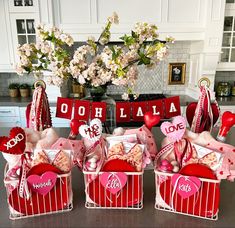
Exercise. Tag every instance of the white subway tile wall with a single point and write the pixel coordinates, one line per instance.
(150, 81)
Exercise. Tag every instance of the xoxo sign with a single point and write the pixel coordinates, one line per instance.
(15, 143)
(174, 130)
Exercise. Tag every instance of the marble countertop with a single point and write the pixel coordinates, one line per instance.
(147, 217)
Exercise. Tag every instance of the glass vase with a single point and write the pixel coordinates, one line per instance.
(98, 94)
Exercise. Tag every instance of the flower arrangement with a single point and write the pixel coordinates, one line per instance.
(96, 63)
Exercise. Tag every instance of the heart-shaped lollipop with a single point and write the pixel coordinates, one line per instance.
(174, 130)
(92, 132)
(74, 125)
(151, 120)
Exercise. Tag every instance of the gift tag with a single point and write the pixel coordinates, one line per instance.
(42, 184)
(174, 130)
(113, 182)
(186, 186)
(92, 132)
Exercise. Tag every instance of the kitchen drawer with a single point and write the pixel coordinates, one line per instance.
(6, 111)
(23, 111)
(59, 122)
(10, 122)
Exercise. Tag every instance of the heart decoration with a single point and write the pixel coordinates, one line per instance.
(190, 112)
(14, 143)
(131, 194)
(92, 132)
(113, 182)
(174, 130)
(204, 202)
(57, 199)
(151, 120)
(42, 184)
(185, 186)
(74, 125)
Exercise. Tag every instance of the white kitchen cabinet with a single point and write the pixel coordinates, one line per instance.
(6, 55)
(9, 116)
(183, 19)
(58, 122)
(227, 57)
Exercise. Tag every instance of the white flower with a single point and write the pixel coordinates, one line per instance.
(81, 79)
(125, 96)
(114, 18)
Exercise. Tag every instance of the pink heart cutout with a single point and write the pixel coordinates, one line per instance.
(185, 186)
(42, 184)
(174, 130)
(92, 132)
(113, 182)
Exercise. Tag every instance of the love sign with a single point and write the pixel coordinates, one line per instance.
(185, 186)
(92, 132)
(14, 143)
(174, 130)
(113, 182)
(42, 184)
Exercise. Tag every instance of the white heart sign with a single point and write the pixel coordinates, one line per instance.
(92, 132)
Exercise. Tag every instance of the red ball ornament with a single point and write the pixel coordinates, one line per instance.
(151, 120)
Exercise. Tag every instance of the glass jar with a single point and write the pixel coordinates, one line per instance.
(223, 89)
(98, 94)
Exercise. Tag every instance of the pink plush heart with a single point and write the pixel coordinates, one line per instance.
(113, 182)
(92, 132)
(42, 184)
(185, 186)
(151, 120)
(174, 130)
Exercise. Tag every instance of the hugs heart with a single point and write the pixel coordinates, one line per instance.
(14, 143)
(92, 132)
(113, 182)
(174, 130)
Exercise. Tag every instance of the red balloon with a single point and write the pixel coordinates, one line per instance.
(74, 125)
(151, 120)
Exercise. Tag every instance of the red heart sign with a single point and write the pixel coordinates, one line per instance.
(151, 120)
(57, 199)
(15, 143)
(130, 194)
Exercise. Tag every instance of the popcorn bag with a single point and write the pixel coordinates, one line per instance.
(188, 171)
(37, 181)
(114, 165)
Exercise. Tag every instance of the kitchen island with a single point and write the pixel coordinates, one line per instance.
(147, 217)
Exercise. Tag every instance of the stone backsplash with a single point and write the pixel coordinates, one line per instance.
(150, 81)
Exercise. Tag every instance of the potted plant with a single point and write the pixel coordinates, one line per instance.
(32, 89)
(24, 90)
(14, 90)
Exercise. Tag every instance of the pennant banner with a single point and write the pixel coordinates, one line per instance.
(125, 111)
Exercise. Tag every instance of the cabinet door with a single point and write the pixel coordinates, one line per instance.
(227, 57)
(83, 18)
(23, 29)
(23, 6)
(5, 55)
